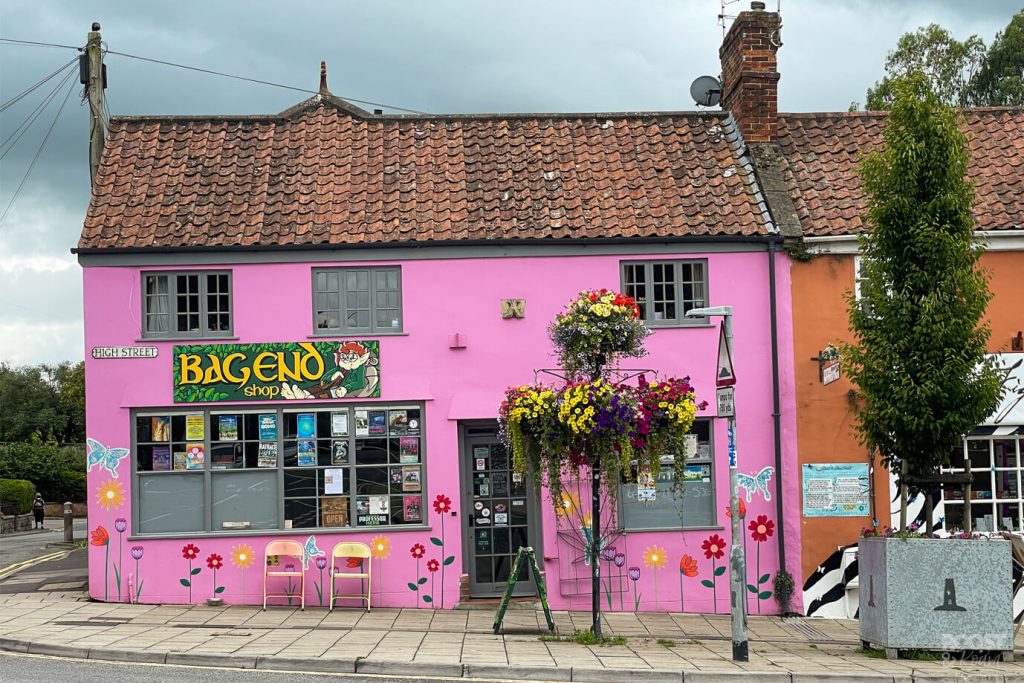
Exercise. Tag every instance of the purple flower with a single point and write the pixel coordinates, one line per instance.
(634, 573)
(321, 562)
(120, 524)
(620, 559)
(137, 552)
(608, 554)
(289, 567)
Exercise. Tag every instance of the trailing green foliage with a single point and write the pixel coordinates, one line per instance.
(918, 356)
(16, 496)
(58, 472)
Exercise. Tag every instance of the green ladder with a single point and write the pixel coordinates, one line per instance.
(542, 592)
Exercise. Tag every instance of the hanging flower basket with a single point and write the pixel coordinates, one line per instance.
(596, 329)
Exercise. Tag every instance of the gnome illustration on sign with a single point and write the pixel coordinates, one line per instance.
(357, 376)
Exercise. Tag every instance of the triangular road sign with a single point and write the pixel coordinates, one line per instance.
(725, 376)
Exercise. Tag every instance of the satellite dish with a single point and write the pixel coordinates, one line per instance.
(706, 91)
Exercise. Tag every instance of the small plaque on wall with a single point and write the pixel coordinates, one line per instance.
(513, 308)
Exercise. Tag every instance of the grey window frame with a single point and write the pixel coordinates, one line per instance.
(172, 298)
(343, 328)
(680, 320)
(710, 460)
(279, 409)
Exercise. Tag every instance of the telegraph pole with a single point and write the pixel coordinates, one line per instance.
(92, 75)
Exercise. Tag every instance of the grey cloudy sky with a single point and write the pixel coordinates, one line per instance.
(438, 56)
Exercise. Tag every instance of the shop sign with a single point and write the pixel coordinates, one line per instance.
(103, 352)
(836, 490)
(830, 372)
(292, 371)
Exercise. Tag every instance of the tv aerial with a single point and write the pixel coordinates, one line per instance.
(706, 91)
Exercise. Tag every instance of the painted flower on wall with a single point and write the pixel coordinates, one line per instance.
(442, 504)
(242, 556)
(687, 569)
(742, 506)
(417, 551)
(634, 576)
(215, 562)
(443, 507)
(654, 558)
(380, 547)
(110, 495)
(760, 530)
(608, 555)
(620, 561)
(321, 564)
(189, 552)
(101, 539)
(433, 565)
(714, 549)
(120, 526)
(137, 551)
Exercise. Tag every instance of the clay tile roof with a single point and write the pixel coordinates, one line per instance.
(822, 152)
(328, 173)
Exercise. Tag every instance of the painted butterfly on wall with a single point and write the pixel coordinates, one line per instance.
(757, 482)
(100, 455)
(311, 551)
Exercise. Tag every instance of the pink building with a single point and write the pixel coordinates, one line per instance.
(301, 326)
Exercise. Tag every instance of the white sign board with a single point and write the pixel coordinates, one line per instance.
(124, 351)
(831, 372)
(726, 401)
(725, 376)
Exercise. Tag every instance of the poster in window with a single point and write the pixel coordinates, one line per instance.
(362, 423)
(307, 453)
(413, 424)
(339, 452)
(160, 428)
(268, 427)
(409, 450)
(227, 427)
(378, 422)
(334, 511)
(380, 505)
(411, 479)
(267, 454)
(195, 428)
(365, 507)
(398, 422)
(161, 458)
(180, 461)
(411, 509)
(396, 476)
(195, 456)
(339, 424)
(305, 425)
(334, 481)
(646, 487)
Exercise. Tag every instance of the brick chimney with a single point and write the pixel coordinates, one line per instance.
(750, 75)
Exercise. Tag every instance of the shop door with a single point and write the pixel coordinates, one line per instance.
(499, 514)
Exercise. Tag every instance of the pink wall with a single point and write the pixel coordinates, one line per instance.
(442, 297)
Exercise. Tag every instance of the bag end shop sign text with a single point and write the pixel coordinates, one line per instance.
(290, 370)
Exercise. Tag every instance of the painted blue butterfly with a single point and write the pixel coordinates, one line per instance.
(311, 551)
(758, 482)
(104, 457)
(588, 537)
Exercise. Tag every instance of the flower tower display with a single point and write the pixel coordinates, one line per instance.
(593, 426)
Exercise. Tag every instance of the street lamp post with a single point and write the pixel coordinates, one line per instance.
(737, 561)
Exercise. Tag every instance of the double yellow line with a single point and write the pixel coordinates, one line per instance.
(18, 566)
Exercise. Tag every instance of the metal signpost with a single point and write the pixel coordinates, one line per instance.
(725, 378)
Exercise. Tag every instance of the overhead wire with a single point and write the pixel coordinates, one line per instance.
(38, 44)
(27, 91)
(34, 115)
(39, 151)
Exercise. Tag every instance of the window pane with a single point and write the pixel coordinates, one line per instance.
(171, 503)
(245, 497)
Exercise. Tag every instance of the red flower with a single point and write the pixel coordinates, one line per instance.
(687, 566)
(761, 528)
(442, 504)
(190, 552)
(214, 561)
(743, 510)
(417, 550)
(354, 562)
(433, 565)
(713, 547)
(100, 537)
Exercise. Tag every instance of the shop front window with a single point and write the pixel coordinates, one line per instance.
(995, 497)
(268, 468)
(653, 508)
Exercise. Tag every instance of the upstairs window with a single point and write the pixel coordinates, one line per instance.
(357, 300)
(192, 303)
(666, 290)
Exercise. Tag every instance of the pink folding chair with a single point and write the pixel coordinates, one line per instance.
(284, 549)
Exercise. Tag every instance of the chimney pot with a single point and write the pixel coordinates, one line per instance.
(757, 6)
(323, 77)
(750, 72)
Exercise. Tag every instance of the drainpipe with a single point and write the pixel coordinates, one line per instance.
(776, 414)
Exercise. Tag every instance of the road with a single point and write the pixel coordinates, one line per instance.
(39, 669)
(15, 548)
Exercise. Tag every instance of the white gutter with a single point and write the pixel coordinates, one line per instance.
(994, 240)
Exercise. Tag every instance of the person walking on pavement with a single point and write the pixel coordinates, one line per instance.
(38, 506)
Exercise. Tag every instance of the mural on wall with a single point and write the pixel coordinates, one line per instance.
(714, 550)
(418, 550)
(110, 495)
(137, 552)
(190, 552)
(270, 371)
(120, 525)
(215, 562)
(654, 558)
(101, 456)
(757, 483)
(443, 507)
(687, 569)
(99, 538)
(242, 556)
(380, 549)
(760, 529)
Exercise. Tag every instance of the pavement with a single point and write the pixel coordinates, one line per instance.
(460, 644)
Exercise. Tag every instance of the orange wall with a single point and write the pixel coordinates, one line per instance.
(825, 423)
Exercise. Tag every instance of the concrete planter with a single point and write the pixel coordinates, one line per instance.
(936, 594)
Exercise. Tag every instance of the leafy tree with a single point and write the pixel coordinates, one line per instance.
(918, 355)
(42, 403)
(1000, 81)
(947, 63)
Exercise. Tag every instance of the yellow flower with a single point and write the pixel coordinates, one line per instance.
(570, 503)
(110, 494)
(586, 520)
(242, 555)
(380, 547)
(654, 557)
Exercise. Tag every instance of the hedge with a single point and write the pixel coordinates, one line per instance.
(16, 496)
(58, 472)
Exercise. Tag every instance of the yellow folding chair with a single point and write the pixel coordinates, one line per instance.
(345, 551)
(284, 549)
